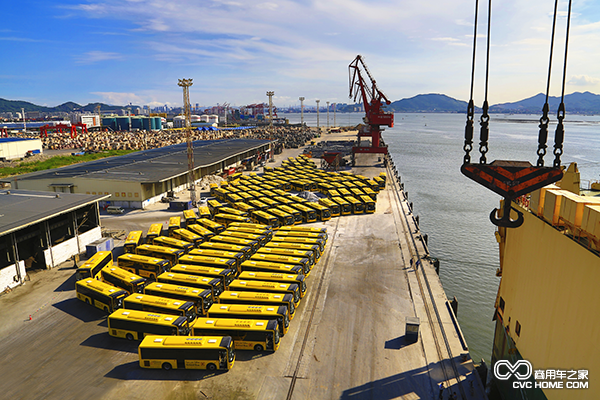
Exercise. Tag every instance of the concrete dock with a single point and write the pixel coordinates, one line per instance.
(346, 342)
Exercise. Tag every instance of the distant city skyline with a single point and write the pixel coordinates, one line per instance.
(134, 51)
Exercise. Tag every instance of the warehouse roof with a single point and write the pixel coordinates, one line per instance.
(147, 166)
(21, 208)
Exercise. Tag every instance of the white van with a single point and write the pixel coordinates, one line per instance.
(115, 210)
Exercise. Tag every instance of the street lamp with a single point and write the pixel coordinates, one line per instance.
(301, 110)
(318, 127)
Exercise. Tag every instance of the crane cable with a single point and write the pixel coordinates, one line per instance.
(543, 135)
(471, 107)
(559, 134)
(484, 120)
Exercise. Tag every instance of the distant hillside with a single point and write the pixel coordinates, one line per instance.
(580, 103)
(429, 103)
(16, 105)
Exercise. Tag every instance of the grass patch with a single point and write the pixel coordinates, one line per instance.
(25, 167)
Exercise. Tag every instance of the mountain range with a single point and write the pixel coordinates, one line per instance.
(577, 103)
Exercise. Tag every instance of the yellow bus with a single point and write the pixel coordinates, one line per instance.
(252, 225)
(303, 240)
(168, 352)
(258, 298)
(166, 241)
(166, 253)
(269, 202)
(334, 208)
(211, 225)
(293, 212)
(238, 256)
(298, 279)
(311, 231)
(381, 179)
(333, 193)
(371, 193)
(251, 285)
(356, 192)
(277, 258)
(358, 207)
(282, 217)
(247, 334)
(259, 205)
(302, 234)
(174, 223)
(314, 249)
(308, 214)
(224, 274)
(283, 200)
(323, 213)
(262, 239)
(99, 294)
(215, 285)
(202, 298)
(226, 219)
(92, 267)
(154, 232)
(144, 266)
(160, 305)
(188, 236)
(213, 187)
(221, 193)
(123, 279)
(245, 250)
(134, 324)
(204, 212)
(214, 206)
(269, 266)
(233, 197)
(267, 233)
(245, 311)
(369, 204)
(190, 217)
(253, 244)
(233, 211)
(345, 207)
(134, 238)
(200, 230)
(245, 207)
(344, 192)
(264, 218)
(211, 261)
(308, 254)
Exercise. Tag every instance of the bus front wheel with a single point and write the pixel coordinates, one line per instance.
(211, 367)
(129, 336)
(166, 366)
(258, 347)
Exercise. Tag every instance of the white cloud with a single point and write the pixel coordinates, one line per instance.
(117, 98)
(96, 56)
(583, 80)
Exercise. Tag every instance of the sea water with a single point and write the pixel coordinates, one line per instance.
(427, 149)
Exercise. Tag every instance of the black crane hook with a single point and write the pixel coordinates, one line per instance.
(505, 221)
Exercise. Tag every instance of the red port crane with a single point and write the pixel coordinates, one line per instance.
(373, 100)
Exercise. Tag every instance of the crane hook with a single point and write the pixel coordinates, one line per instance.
(506, 221)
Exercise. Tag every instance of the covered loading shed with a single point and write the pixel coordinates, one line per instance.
(141, 178)
(42, 230)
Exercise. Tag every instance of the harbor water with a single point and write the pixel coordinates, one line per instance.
(427, 149)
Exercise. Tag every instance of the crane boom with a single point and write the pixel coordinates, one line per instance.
(373, 100)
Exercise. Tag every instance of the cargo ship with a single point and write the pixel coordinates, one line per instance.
(546, 331)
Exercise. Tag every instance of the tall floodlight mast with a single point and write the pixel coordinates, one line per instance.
(327, 117)
(270, 94)
(334, 106)
(318, 127)
(301, 111)
(185, 84)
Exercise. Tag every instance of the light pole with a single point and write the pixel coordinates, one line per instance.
(270, 94)
(301, 111)
(327, 117)
(318, 127)
(334, 123)
(185, 84)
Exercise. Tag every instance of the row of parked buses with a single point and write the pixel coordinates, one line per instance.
(268, 199)
(192, 304)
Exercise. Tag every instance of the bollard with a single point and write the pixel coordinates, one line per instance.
(416, 216)
(425, 239)
(454, 305)
(436, 265)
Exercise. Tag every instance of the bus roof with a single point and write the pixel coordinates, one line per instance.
(142, 259)
(122, 273)
(160, 319)
(208, 342)
(134, 237)
(159, 249)
(245, 324)
(102, 287)
(179, 290)
(159, 301)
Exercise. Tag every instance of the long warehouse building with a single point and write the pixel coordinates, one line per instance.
(142, 178)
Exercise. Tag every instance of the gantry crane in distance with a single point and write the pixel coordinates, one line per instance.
(373, 100)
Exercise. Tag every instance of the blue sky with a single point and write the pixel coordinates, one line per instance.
(122, 51)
